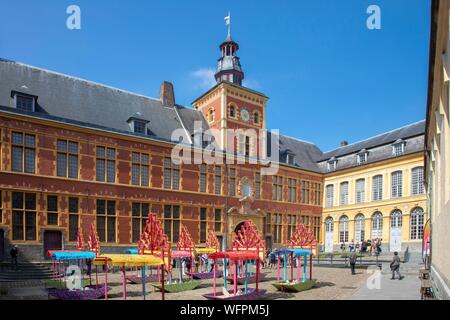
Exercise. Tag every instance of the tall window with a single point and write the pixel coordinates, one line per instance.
(305, 192)
(140, 169)
(417, 223)
(218, 220)
(106, 220)
(396, 219)
(203, 224)
(139, 215)
(74, 217)
(292, 224)
(359, 228)
(329, 195)
(23, 216)
(106, 164)
(377, 188)
(343, 229)
(292, 190)
(397, 184)
(1, 207)
(171, 175)
(203, 178)
(317, 189)
(218, 180)
(344, 193)
(23, 152)
(257, 186)
(316, 226)
(232, 111)
(377, 225)
(211, 115)
(256, 117)
(232, 182)
(52, 210)
(417, 181)
(67, 159)
(277, 223)
(277, 188)
(172, 222)
(360, 190)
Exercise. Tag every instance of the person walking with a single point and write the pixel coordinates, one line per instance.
(395, 266)
(14, 254)
(352, 261)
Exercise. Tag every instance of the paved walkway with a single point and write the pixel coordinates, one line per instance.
(379, 285)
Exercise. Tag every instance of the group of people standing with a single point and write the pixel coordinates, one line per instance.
(372, 247)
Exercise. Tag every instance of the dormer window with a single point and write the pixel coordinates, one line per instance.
(398, 148)
(332, 164)
(290, 159)
(139, 126)
(137, 123)
(25, 102)
(361, 157)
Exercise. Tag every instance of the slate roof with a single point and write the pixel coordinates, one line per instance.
(408, 131)
(88, 104)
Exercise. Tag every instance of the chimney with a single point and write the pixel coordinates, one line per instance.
(344, 143)
(166, 94)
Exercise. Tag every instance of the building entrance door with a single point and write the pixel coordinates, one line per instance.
(395, 239)
(329, 230)
(2, 244)
(52, 241)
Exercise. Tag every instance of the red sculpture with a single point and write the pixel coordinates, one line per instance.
(93, 243)
(153, 237)
(248, 237)
(212, 241)
(80, 245)
(302, 238)
(185, 241)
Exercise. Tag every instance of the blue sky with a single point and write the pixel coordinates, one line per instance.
(329, 78)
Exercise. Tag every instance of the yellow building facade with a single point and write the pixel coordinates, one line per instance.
(376, 193)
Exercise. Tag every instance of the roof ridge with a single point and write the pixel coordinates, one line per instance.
(300, 140)
(375, 136)
(79, 79)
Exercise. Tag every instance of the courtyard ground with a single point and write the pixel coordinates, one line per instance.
(333, 283)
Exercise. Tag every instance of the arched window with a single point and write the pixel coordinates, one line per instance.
(359, 227)
(417, 223)
(256, 117)
(343, 229)
(329, 226)
(232, 111)
(211, 115)
(377, 225)
(396, 219)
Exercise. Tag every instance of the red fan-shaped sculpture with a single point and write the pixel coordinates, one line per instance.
(153, 237)
(248, 237)
(185, 241)
(93, 242)
(302, 238)
(212, 241)
(80, 245)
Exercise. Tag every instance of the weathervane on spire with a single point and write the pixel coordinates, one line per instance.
(228, 23)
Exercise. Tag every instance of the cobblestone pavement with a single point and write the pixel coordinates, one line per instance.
(332, 283)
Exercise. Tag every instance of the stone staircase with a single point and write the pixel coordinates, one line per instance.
(25, 272)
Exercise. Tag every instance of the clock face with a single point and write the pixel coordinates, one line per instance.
(245, 115)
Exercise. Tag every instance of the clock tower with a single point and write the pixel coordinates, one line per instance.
(230, 105)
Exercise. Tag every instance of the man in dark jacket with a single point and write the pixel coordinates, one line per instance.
(395, 266)
(352, 261)
(14, 253)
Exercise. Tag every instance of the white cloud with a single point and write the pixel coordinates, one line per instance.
(205, 78)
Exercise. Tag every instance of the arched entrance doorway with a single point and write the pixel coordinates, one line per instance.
(238, 227)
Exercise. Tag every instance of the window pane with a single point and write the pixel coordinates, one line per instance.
(73, 227)
(111, 209)
(62, 165)
(100, 170)
(17, 138)
(52, 203)
(73, 166)
(29, 160)
(17, 222)
(101, 228)
(30, 225)
(62, 146)
(176, 212)
(73, 205)
(111, 229)
(73, 147)
(17, 158)
(30, 201)
(111, 174)
(101, 207)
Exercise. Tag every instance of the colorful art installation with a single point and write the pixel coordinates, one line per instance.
(300, 246)
(247, 248)
(212, 246)
(74, 286)
(185, 250)
(126, 260)
(153, 241)
(248, 238)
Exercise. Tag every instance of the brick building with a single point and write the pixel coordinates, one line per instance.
(74, 152)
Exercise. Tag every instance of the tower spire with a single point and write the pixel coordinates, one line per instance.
(229, 67)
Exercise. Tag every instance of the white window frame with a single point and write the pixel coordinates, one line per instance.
(33, 99)
(402, 148)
